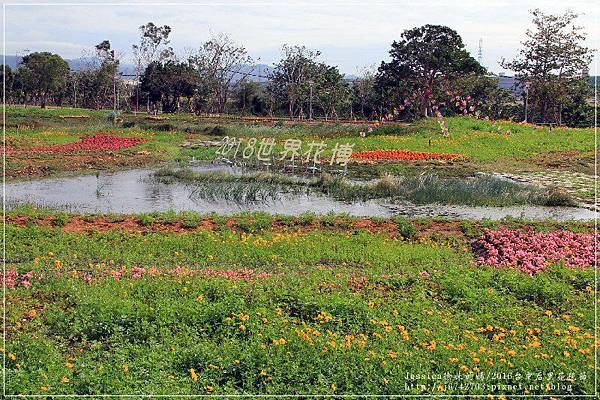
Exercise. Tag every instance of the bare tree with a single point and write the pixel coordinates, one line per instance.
(292, 79)
(222, 64)
(153, 46)
(552, 62)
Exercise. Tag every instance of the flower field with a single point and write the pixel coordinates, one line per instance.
(97, 143)
(259, 305)
(401, 155)
(533, 252)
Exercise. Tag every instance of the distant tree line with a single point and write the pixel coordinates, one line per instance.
(427, 62)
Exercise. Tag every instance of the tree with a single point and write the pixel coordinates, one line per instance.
(222, 64)
(109, 66)
(424, 59)
(8, 80)
(333, 92)
(364, 93)
(153, 46)
(168, 82)
(293, 78)
(552, 62)
(42, 74)
(248, 97)
(484, 93)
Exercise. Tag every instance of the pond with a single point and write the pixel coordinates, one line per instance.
(138, 191)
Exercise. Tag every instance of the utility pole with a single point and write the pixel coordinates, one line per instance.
(480, 52)
(74, 91)
(526, 99)
(310, 107)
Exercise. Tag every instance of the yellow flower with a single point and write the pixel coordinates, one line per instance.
(125, 367)
(333, 386)
(64, 379)
(453, 359)
(32, 313)
(535, 344)
(44, 388)
(242, 327)
(263, 373)
(210, 388)
(548, 313)
(193, 374)
(392, 354)
(12, 356)
(68, 365)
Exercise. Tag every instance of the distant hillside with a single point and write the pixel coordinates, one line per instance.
(258, 71)
(76, 64)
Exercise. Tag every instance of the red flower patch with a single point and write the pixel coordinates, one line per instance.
(88, 144)
(401, 155)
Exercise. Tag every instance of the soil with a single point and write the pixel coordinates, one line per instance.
(88, 224)
(43, 166)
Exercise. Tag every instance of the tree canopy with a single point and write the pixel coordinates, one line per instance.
(42, 74)
(425, 58)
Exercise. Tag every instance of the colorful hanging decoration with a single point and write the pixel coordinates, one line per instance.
(466, 105)
(407, 102)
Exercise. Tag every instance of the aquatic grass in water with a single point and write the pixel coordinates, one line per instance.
(422, 189)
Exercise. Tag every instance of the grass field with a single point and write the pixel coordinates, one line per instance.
(170, 303)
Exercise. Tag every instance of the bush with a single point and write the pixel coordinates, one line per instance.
(405, 228)
(216, 131)
(146, 219)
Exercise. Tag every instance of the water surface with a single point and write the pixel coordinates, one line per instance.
(137, 191)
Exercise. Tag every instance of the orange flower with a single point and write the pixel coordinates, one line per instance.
(193, 374)
(401, 155)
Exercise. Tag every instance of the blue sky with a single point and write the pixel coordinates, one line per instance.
(349, 34)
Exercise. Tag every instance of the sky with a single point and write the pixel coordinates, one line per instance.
(350, 34)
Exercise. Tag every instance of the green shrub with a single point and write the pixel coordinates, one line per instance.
(147, 219)
(405, 228)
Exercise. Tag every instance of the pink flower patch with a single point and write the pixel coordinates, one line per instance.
(532, 252)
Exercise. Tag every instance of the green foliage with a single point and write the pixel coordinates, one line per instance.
(332, 314)
(405, 228)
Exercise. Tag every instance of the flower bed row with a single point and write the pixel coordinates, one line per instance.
(401, 155)
(532, 252)
(87, 144)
